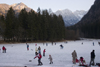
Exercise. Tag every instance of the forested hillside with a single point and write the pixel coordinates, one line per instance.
(29, 26)
(89, 26)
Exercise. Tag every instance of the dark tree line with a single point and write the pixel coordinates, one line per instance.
(91, 30)
(32, 26)
(87, 30)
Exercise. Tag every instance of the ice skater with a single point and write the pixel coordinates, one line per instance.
(44, 52)
(82, 61)
(61, 46)
(35, 44)
(4, 49)
(39, 58)
(46, 44)
(93, 43)
(92, 58)
(74, 55)
(36, 51)
(39, 50)
(27, 46)
(50, 57)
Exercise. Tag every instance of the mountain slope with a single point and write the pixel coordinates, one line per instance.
(93, 14)
(79, 13)
(69, 17)
(3, 9)
(17, 7)
(89, 25)
(20, 6)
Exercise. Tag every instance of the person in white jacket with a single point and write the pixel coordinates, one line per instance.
(36, 51)
(50, 57)
(74, 55)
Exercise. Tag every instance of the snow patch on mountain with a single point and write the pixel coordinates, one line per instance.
(79, 13)
(69, 17)
(20, 6)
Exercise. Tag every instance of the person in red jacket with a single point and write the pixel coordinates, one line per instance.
(44, 52)
(82, 61)
(39, 58)
(3, 48)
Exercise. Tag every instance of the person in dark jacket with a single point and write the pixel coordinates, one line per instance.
(61, 46)
(92, 58)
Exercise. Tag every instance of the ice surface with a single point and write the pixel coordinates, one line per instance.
(18, 56)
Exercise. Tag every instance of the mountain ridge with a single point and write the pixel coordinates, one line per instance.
(17, 7)
(69, 17)
(89, 25)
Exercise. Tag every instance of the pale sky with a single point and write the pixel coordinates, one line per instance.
(54, 4)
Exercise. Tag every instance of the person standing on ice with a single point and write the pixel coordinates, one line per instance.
(39, 49)
(35, 44)
(36, 51)
(4, 49)
(74, 55)
(27, 46)
(92, 58)
(50, 57)
(44, 52)
(93, 43)
(39, 59)
(46, 44)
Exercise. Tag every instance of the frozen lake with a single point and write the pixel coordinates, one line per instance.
(17, 54)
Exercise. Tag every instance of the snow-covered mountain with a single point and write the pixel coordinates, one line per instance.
(79, 13)
(20, 6)
(69, 17)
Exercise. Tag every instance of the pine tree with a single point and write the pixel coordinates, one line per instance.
(2, 25)
(23, 24)
(10, 20)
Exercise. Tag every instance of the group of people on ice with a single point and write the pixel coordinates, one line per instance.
(81, 61)
(39, 56)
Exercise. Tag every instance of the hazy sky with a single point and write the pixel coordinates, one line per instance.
(54, 4)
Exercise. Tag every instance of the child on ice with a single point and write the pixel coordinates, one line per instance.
(4, 49)
(50, 57)
(27, 46)
(44, 52)
(82, 61)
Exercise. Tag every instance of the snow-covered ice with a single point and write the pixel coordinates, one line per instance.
(17, 54)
